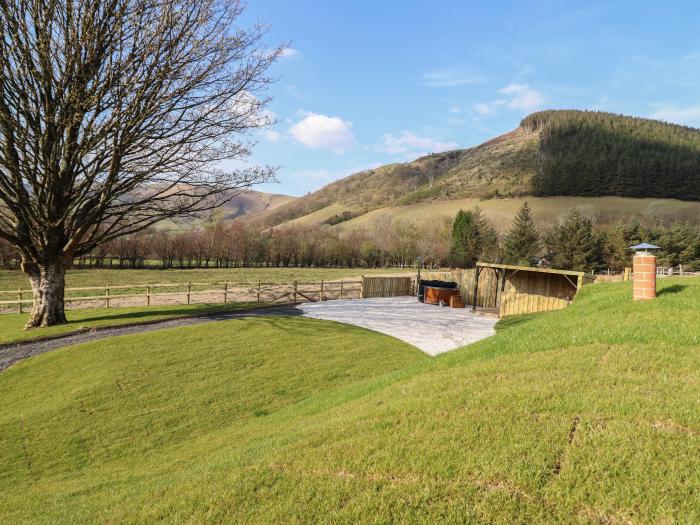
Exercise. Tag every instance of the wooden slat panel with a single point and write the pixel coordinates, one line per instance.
(386, 286)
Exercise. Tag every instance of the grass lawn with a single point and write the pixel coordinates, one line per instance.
(585, 415)
(12, 325)
(12, 280)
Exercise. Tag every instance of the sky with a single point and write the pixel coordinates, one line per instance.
(366, 83)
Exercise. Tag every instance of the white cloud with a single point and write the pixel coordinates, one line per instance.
(290, 52)
(519, 97)
(689, 116)
(455, 110)
(449, 78)
(318, 131)
(411, 145)
(522, 97)
(482, 109)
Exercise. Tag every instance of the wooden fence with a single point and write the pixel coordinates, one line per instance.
(387, 286)
(150, 294)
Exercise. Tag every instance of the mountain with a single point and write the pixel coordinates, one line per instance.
(250, 203)
(557, 159)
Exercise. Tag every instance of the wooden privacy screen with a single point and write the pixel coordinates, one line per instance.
(386, 286)
(529, 292)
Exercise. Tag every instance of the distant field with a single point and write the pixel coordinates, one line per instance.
(10, 280)
(501, 211)
(585, 415)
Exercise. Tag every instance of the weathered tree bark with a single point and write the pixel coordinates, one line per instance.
(48, 284)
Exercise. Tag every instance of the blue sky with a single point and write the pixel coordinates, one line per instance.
(367, 83)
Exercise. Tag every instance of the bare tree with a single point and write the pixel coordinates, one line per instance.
(114, 115)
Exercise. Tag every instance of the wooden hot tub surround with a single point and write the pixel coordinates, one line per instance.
(436, 295)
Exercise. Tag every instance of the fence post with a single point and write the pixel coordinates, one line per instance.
(362, 286)
(295, 292)
(320, 295)
(148, 293)
(225, 290)
(107, 296)
(341, 288)
(258, 290)
(19, 304)
(189, 291)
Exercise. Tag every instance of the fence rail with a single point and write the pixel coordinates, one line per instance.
(189, 292)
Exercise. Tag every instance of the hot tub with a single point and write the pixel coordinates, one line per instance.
(432, 292)
(437, 295)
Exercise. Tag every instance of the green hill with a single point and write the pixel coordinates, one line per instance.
(584, 415)
(551, 154)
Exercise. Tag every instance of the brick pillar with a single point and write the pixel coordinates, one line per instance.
(644, 268)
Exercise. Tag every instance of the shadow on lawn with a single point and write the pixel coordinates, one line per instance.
(167, 312)
(515, 320)
(676, 288)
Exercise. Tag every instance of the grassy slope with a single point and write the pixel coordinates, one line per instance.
(504, 164)
(546, 209)
(12, 325)
(590, 414)
(10, 280)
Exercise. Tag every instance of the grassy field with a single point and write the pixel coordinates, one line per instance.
(501, 211)
(11, 280)
(584, 415)
(12, 325)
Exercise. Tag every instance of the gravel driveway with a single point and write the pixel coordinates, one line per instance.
(433, 329)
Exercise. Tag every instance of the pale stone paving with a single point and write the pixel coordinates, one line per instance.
(432, 329)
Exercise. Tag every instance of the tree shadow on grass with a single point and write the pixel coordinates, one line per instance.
(512, 321)
(676, 288)
(164, 313)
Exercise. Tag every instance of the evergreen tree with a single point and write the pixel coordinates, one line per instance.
(522, 242)
(617, 241)
(680, 244)
(464, 245)
(490, 249)
(572, 244)
(472, 238)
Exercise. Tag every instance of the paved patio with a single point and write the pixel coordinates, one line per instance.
(433, 329)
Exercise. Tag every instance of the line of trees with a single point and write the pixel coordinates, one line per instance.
(573, 242)
(237, 244)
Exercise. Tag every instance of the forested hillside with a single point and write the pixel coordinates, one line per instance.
(587, 153)
(551, 153)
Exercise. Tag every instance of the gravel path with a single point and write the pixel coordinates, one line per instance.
(433, 329)
(11, 353)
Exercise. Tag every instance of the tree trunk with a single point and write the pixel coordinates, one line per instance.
(48, 284)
